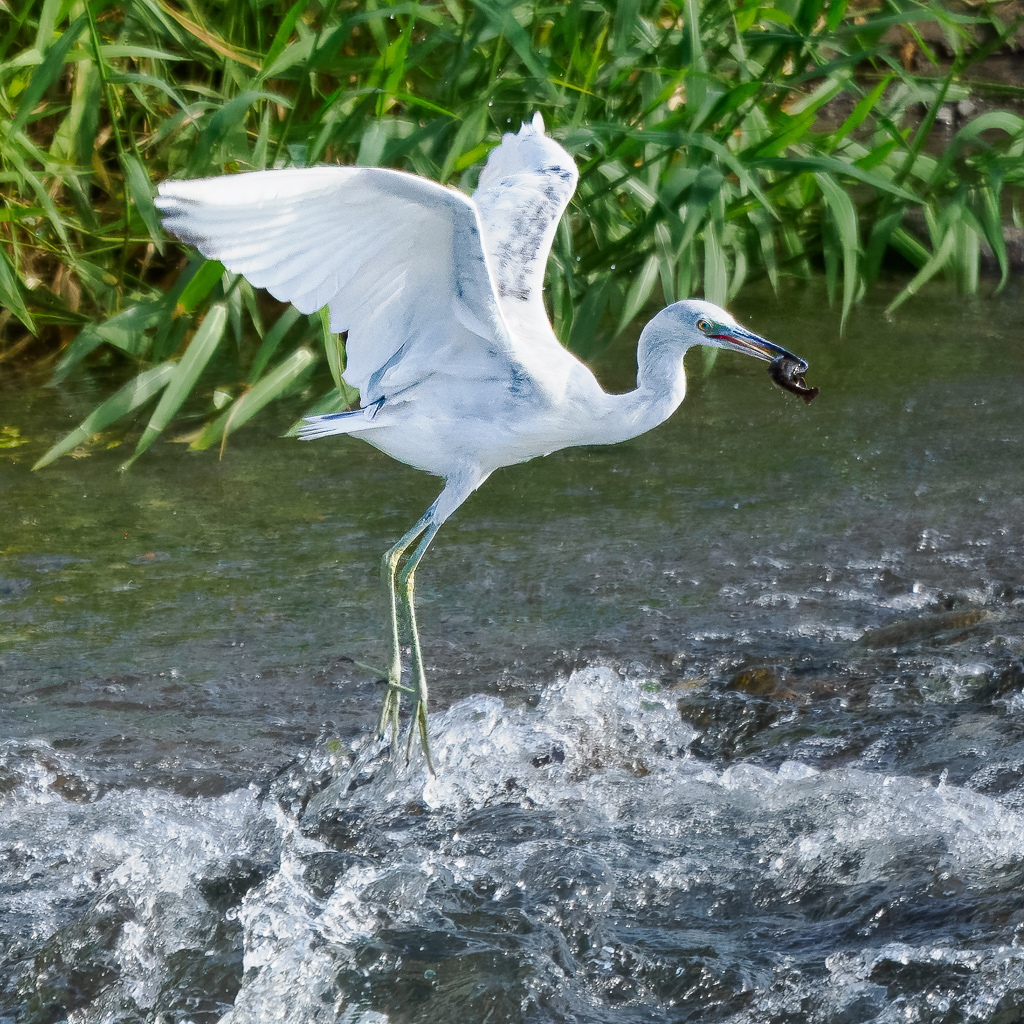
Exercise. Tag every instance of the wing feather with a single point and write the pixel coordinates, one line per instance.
(523, 191)
(398, 260)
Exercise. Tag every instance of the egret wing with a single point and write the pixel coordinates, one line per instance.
(523, 191)
(396, 258)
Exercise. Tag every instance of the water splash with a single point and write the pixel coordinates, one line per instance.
(572, 861)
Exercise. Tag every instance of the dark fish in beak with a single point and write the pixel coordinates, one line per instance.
(788, 372)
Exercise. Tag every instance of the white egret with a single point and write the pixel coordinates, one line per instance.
(458, 369)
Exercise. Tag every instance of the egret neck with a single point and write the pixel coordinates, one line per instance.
(660, 389)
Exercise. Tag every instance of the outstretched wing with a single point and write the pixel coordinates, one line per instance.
(523, 191)
(396, 258)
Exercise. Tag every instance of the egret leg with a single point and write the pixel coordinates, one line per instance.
(388, 569)
(456, 490)
(406, 581)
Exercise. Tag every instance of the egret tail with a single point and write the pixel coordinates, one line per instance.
(336, 423)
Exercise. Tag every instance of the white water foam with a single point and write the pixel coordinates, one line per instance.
(571, 858)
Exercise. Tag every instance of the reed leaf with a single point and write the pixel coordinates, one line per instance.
(135, 393)
(273, 386)
(186, 373)
(844, 216)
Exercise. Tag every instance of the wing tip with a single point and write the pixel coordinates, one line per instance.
(180, 190)
(530, 151)
(535, 126)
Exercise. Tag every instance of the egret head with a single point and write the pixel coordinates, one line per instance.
(697, 322)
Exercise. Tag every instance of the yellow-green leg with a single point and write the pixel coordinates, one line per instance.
(395, 689)
(406, 581)
(455, 492)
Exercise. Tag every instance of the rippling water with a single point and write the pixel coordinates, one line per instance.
(730, 717)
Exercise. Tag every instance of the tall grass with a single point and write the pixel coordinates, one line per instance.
(715, 140)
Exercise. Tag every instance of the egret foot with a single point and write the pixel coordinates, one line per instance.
(389, 710)
(419, 725)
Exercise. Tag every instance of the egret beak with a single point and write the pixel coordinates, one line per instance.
(739, 339)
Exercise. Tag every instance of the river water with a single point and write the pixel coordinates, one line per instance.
(729, 718)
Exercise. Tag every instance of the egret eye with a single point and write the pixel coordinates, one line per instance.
(705, 326)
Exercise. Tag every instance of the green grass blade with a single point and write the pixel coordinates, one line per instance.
(861, 111)
(10, 291)
(137, 53)
(845, 216)
(125, 331)
(199, 286)
(666, 262)
(716, 273)
(14, 156)
(968, 254)
(503, 21)
(834, 165)
(186, 373)
(333, 347)
(136, 392)
(85, 342)
(85, 110)
(696, 89)
(225, 123)
(131, 78)
(467, 138)
(271, 340)
(639, 292)
(281, 36)
(766, 239)
(928, 271)
(992, 225)
(910, 247)
(141, 191)
(47, 24)
(47, 73)
(275, 384)
(993, 120)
